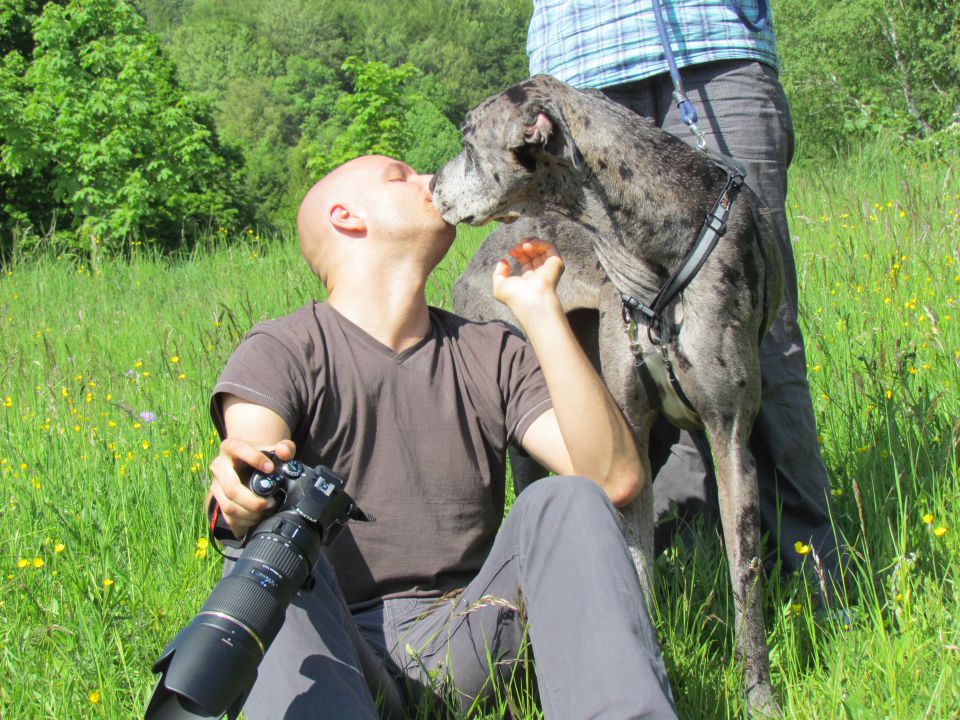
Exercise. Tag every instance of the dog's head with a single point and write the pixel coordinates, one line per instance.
(517, 152)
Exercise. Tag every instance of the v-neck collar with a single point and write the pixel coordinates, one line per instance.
(359, 333)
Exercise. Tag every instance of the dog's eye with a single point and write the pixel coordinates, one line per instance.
(524, 157)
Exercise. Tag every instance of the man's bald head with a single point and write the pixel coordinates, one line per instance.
(342, 186)
(372, 214)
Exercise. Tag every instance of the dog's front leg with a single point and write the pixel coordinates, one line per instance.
(740, 514)
(619, 374)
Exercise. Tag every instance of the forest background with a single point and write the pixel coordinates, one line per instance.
(166, 123)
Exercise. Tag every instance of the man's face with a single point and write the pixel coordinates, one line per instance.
(400, 203)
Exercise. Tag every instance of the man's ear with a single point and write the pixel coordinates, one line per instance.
(549, 130)
(343, 218)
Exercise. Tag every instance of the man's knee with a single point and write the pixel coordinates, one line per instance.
(561, 494)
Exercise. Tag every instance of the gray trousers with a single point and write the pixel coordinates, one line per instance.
(744, 114)
(559, 575)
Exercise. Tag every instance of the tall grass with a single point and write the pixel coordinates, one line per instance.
(105, 371)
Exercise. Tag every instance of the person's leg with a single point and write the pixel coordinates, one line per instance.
(559, 568)
(744, 114)
(320, 661)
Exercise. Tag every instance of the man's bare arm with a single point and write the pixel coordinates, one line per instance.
(585, 433)
(250, 430)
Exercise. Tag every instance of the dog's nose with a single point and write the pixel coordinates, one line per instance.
(433, 183)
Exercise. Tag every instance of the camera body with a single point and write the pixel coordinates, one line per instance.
(314, 494)
(209, 668)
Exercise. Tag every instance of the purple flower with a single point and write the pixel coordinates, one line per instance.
(130, 373)
(148, 416)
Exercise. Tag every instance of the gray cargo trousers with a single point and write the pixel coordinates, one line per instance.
(744, 114)
(559, 575)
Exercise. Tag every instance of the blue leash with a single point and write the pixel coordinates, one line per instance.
(688, 113)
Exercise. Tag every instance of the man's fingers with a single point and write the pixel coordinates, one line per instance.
(245, 452)
(241, 508)
(285, 449)
(532, 253)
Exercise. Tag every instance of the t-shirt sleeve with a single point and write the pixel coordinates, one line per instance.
(265, 370)
(522, 386)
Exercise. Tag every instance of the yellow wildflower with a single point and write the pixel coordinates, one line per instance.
(201, 549)
(801, 548)
(928, 518)
(940, 531)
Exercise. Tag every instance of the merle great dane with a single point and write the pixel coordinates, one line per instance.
(624, 202)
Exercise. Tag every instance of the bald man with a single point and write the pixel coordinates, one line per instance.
(434, 602)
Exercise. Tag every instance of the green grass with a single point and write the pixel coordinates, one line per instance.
(102, 508)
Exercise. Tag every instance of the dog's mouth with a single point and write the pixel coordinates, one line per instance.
(505, 217)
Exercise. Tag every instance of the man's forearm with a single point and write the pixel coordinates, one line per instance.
(594, 430)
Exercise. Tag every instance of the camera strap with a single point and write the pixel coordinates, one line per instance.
(218, 532)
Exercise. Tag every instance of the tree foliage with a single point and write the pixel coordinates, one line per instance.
(387, 113)
(860, 67)
(97, 139)
(113, 128)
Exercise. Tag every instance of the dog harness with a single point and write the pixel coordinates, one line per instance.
(660, 332)
(635, 313)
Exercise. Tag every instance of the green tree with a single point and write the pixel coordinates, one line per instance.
(111, 145)
(860, 67)
(271, 71)
(388, 113)
(471, 48)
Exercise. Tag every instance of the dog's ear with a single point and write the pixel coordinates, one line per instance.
(549, 131)
(539, 132)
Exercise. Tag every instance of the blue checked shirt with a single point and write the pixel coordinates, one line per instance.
(598, 43)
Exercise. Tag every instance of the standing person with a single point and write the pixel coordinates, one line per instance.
(726, 52)
(415, 408)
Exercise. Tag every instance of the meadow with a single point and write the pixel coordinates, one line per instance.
(106, 366)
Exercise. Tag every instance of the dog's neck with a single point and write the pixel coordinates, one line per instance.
(641, 210)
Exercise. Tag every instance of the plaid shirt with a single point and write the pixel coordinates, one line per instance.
(609, 42)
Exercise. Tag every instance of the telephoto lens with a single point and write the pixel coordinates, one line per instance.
(208, 669)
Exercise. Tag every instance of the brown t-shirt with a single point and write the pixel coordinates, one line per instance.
(420, 437)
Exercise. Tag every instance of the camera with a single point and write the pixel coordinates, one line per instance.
(208, 669)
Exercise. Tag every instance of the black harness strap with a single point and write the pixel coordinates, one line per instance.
(636, 313)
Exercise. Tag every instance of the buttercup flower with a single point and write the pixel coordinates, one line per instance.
(940, 531)
(201, 550)
(928, 518)
(801, 548)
